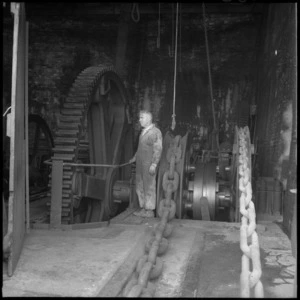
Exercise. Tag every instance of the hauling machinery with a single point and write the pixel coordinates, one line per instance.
(95, 128)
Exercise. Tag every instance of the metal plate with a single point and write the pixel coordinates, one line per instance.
(183, 176)
(209, 188)
(235, 177)
(163, 167)
(198, 190)
(204, 186)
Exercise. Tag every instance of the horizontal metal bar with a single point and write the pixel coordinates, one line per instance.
(48, 162)
(71, 226)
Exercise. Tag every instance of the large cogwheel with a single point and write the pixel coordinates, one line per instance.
(94, 127)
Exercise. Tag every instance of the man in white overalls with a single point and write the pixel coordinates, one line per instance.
(147, 158)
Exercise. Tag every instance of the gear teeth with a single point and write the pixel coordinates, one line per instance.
(70, 119)
(68, 125)
(65, 141)
(74, 105)
(70, 146)
(67, 133)
(71, 112)
(62, 149)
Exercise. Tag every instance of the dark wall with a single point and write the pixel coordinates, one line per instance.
(61, 47)
(232, 41)
(252, 61)
(7, 38)
(276, 101)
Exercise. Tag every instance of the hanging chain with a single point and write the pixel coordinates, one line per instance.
(248, 279)
(150, 265)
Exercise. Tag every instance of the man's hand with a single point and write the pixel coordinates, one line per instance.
(152, 169)
(131, 161)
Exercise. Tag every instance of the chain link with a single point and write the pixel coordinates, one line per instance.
(248, 279)
(150, 265)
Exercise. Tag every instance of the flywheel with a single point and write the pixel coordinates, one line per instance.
(94, 128)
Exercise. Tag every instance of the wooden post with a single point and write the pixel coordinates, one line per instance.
(56, 194)
(16, 209)
(122, 40)
(4, 217)
(26, 133)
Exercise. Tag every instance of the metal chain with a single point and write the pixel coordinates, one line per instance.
(150, 265)
(248, 279)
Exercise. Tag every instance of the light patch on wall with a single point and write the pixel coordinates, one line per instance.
(160, 93)
(198, 111)
(164, 87)
(286, 137)
(157, 97)
(228, 102)
(227, 108)
(157, 106)
(146, 102)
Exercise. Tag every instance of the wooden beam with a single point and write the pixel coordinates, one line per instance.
(56, 194)
(122, 42)
(16, 212)
(27, 198)
(64, 227)
(111, 9)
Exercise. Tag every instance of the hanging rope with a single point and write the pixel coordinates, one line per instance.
(209, 75)
(171, 54)
(158, 28)
(135, 10)
(180, 14)
(175, 71)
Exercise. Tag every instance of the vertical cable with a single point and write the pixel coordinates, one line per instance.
(175, 71)
(209, 74)
(172, 46)
(180, 12)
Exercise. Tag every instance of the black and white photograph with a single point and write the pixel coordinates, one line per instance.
(149, 149)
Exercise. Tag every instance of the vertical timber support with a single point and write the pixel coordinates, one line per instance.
(56, 194)
(14, 238)
(122, 40)
(26, 134)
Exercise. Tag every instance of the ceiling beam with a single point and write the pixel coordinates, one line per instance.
(114, 9)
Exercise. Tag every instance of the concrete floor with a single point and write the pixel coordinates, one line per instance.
(203, 260)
